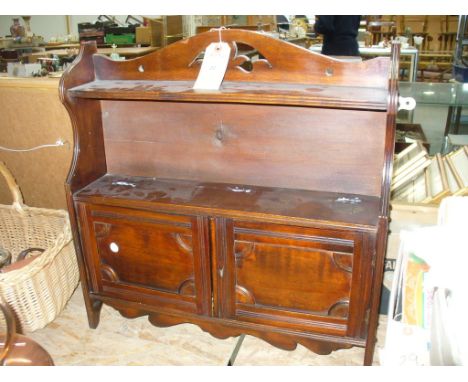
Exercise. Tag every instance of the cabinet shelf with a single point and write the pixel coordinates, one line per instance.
(237, 92)
(299, 206)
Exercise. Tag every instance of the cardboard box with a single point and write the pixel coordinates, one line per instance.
(165, 30)
(143, 35)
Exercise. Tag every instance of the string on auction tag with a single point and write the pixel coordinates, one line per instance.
(219, 32)
(214, 65)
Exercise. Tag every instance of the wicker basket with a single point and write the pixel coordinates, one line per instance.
(37, 292)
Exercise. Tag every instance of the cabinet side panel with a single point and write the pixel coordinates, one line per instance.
(89, 162)
(291, 147)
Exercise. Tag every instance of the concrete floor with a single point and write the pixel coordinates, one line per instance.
(121, 341)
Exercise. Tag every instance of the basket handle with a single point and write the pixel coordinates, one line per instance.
(10, 331)
(18, 203)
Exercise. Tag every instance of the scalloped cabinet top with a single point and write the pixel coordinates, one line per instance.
(286, 73)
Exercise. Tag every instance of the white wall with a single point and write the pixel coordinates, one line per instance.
(51, 26)
(45, 26)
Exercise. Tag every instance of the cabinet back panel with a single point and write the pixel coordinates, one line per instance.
(290, 147)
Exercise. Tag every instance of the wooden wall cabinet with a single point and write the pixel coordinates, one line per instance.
(260, 208)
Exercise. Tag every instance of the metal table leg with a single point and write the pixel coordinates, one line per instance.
(236, 350)
(452, 124)
(413, 71)
(448, 124)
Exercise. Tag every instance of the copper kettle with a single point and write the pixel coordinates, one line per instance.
(17, 349)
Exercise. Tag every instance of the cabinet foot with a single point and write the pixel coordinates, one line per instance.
(369, 355)
(93, 310)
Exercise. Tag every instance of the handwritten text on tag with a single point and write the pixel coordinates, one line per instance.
(214, 66)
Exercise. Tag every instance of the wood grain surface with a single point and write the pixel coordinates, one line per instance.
(305, 148)
(223, 199)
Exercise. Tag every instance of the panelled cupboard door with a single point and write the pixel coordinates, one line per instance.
(155, 258)
(298, 278)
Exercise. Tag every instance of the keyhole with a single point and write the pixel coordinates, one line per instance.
(329, 72)
(141, 69)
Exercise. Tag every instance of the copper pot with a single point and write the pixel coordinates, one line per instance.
(19, 350)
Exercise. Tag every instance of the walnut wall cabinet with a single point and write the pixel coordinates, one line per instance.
(260, 208)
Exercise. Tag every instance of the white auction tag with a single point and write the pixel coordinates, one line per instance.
(213, 67)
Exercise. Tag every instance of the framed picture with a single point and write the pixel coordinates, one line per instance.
(457, 161)
(436, 180)
(414, 191)
(409, 164)
(454, 183)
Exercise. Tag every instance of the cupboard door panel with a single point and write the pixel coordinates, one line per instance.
(297, 277)
(312, 280)
(158, 256)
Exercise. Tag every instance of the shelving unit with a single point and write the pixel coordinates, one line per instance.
(253, 209)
